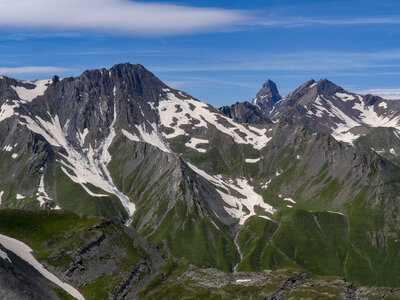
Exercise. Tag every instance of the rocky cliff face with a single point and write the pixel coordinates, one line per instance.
(19, 280)
(245, 113)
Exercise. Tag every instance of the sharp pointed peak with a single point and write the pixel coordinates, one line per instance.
(269, 82)
(268, 94)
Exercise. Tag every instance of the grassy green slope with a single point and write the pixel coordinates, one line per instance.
(38, 228)
(168, 210)
(71, 196)
(324, 243)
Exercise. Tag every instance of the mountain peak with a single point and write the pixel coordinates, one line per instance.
(268, 94)
(327, 86)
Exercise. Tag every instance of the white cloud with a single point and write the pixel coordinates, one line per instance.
(31, 70)
(117, 16)
(391, 94)
(148, 18)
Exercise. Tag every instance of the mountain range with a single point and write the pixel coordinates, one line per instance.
(127, 188)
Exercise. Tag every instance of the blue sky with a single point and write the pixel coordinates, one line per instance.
(218, 51)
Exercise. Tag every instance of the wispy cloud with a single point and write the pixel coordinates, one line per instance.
(117, 16)
(326, 61)
(26, 70)
(303, 21)
(391, 94)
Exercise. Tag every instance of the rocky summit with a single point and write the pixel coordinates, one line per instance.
(116, 186)
(268, 94)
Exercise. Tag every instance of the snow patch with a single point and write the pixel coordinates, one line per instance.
(321, 108)
(14, 155)
(289, 199)
(252, 160)
(130, 136)
(83, 135)
(335, 212)
(383, 104)
(194, 142)
(265, 186)
(175, 112)
(345, 97)
(25, 252)
(247, 200)
(8, 148)
(153, 138)
(242, 280)
(1, 196)
(41, 194)
(392, 151)
(4, 255)
(314, 84)
(214, 224)
(369, 117)
(297, 156)
(7, 110)
(19, 197)
(30, 94)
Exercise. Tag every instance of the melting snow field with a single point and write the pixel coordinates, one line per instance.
(29, 94)
(7, 109)
(24, 252)
(85, 166)
(362, 115)
(175, 112)
(153, 138)
(248, 199)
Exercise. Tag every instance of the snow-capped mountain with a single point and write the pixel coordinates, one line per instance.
(120, 143)
(366, 120)
(347, 116)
